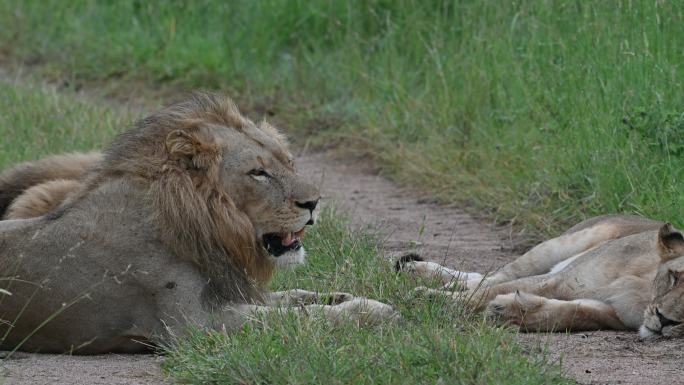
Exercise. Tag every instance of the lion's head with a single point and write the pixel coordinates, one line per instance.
(664, 316)
(224, 189)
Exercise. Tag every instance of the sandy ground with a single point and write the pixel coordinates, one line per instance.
(48, 369)
(408, 222)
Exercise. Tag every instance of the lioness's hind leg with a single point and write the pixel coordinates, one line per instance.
(543, 257)
(539, 314)
(41, 199)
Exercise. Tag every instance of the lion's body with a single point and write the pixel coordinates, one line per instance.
(107, 277)
(600, 274)
(166, 230)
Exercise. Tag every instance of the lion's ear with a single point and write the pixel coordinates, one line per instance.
(194, 148)
(670, 242)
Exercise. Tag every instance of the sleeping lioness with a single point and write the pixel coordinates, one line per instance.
(610, 272)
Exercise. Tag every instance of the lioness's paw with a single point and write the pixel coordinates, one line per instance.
(474, 284)
(406, 262)
(367, 312)
(512, 308)
(502, 309)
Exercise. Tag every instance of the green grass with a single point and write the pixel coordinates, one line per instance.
(36, 121)
(437, 343)
(546, 111)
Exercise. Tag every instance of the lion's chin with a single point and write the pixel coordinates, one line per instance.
(291, 258)
(647, 334)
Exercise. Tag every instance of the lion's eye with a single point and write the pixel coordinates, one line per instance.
(259, 172)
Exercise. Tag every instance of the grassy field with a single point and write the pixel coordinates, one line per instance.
(546, 111)
(37, 121)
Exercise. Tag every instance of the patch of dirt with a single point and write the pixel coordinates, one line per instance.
(408, 221)
(612, 357)
(109, 369)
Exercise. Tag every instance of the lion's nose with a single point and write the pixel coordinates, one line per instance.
(309, 205)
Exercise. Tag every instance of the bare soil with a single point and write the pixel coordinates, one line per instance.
(408, 221)
(110, 369)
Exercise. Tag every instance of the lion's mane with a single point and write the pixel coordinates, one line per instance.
(175, 159)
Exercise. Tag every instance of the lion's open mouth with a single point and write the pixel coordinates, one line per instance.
(278, 244)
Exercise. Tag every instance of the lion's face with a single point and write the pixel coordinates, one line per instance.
(664, 316)
(257, 171)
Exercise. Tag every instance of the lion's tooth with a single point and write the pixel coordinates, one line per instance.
(287, 239)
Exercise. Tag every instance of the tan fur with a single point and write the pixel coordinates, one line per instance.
(617, 272)
(165, 231)
(16, 180)
(41, 199)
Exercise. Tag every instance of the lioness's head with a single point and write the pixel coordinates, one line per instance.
(664, 316)
(225, 189)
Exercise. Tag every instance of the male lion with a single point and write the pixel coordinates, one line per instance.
(177, 224)
(32, 189)
(610, 272)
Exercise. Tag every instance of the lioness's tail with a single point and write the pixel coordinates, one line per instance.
(16, 180)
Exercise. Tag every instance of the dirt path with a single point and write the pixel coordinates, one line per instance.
(410, 223)
(112, 369)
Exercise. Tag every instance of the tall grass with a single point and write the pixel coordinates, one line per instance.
(545, 110)
(36, 121)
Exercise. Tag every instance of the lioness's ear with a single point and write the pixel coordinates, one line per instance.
(197, 149)
(670, 242)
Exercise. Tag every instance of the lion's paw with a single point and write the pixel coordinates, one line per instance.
(435, 294)
(366, 312)
(421, 291)
(335, 298)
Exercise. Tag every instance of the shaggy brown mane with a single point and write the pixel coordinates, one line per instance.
(176, 157)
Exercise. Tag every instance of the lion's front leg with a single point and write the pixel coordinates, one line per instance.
(539, 314)
(306, 297)
(363, 311)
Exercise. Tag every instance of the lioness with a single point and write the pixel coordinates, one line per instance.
(610, 272)
(177, 224)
